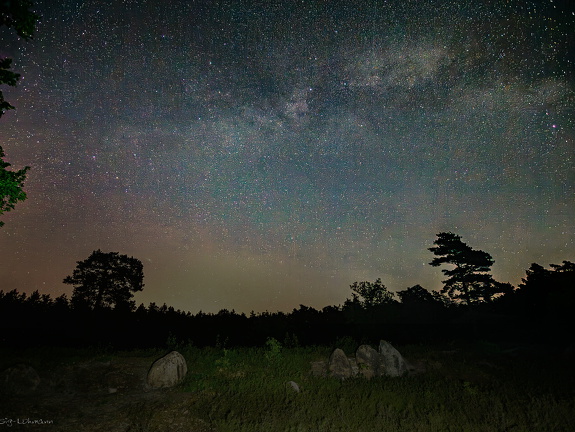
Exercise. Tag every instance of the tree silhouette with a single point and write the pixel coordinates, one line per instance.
(469, 282)
(371, 293)
(106, 280)
(416, 295)
(543, 289)
(14, 14)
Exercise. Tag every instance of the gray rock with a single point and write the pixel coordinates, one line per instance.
(168, 371)
(339, 365)
(20, 380)
(391, 361)
(368, 361)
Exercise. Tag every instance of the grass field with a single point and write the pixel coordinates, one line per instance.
(473, 387)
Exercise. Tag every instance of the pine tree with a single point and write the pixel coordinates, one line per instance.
(469, 282)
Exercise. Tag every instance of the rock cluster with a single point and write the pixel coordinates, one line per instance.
(368, 362)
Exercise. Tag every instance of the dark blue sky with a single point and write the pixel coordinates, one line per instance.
(259, 155)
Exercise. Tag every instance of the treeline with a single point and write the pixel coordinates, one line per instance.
(539, 310)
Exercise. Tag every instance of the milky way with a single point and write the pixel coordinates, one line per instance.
(261, 155)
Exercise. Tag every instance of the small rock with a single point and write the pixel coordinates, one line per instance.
(168, 371)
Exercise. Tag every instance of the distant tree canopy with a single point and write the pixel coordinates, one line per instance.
(469, 282)
(13, 14)
(371, 293)
(106, 280)
(542, 288)
(540, 309)
(416, 295)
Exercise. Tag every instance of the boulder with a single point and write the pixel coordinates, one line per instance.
(391, 362)
(168, 371)
(20, 379)
(339, 365)
(368, 360)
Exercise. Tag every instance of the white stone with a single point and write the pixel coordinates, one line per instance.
(168, 371)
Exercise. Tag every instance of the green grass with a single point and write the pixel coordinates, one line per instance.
(478, 387)
(475, 389)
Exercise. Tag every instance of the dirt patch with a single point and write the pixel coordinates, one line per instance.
(98, 395)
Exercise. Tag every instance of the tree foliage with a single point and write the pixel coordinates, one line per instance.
(106, 280)
(11, 184)
(542, 287)
(469, 281)
(371, 293)
(9, 78)
(540, 309)
(416, 295)
(13, 14)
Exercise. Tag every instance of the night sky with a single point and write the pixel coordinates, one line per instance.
(259, 155)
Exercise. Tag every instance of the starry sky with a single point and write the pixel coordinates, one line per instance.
(259, 155)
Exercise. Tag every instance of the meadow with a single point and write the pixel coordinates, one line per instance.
(476, 386)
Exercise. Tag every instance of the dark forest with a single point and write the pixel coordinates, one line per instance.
(539, 310)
